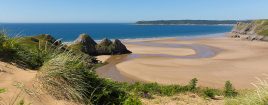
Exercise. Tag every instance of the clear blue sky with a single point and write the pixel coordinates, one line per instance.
(66, 11)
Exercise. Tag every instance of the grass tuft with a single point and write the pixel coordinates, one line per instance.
(257, 97)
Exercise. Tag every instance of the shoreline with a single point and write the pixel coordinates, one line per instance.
(163, 38)
(187, 24)
(235, 61)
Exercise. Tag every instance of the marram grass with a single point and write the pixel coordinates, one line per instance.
(257, 97)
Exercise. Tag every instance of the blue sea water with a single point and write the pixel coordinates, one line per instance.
(70, 31)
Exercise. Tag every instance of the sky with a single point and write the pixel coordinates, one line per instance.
(125, 11)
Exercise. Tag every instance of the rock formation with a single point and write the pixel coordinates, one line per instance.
(120, 48)
(255, 30)
(105, 47)
(87, 45)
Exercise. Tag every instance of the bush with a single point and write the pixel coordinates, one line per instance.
(2, 90)
(32, 59)
(132, 101)
(209, 93)
(8, 47)
(229, 90)
(193, 84)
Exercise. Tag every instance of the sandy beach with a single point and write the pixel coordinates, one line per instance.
(175, 61)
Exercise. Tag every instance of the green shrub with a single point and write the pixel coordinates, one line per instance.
(8, 47)
(193, 84)
(24, 52)
(2, 90)
(207, 92)
(229, 90)
(148, 89)
(32, 59)
(132, 101)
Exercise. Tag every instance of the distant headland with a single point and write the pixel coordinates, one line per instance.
(191, 22)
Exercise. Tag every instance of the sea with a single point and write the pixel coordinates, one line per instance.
(124, 31)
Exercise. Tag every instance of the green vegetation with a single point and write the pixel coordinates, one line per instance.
(264, 32)
(193, 84)
(259, 27)
(2, 90)
(8, 46)
(148, 90)
(26, 51)
(206, 22)
(259, 96)
(209, 93)
(229, 90)
(67, 77)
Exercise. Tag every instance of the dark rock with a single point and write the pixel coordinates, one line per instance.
(85, 44)
(105, 42)
(85, 39)
(35, 40)
(105, 47)
(120, 48)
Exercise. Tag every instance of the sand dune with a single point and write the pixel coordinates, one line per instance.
(18, 84)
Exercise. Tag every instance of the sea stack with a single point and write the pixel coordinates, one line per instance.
(85, 44)
(120, 48)
(105, 47)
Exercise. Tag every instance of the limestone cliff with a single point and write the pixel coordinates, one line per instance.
(255, 30)
(86, 44)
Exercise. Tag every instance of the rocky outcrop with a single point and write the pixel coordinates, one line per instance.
(107, 47)
(255, 30)
(87, 45)
(85, 39)
(119, 47)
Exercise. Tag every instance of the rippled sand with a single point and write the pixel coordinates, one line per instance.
(173, 61)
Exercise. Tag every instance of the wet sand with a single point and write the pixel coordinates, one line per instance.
(175, 61)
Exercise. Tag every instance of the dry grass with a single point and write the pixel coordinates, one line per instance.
(257, 97)
(63, 78)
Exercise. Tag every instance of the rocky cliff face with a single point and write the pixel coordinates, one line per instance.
(119, 47)
(107, 47)
(87, 45)
(255, 30)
